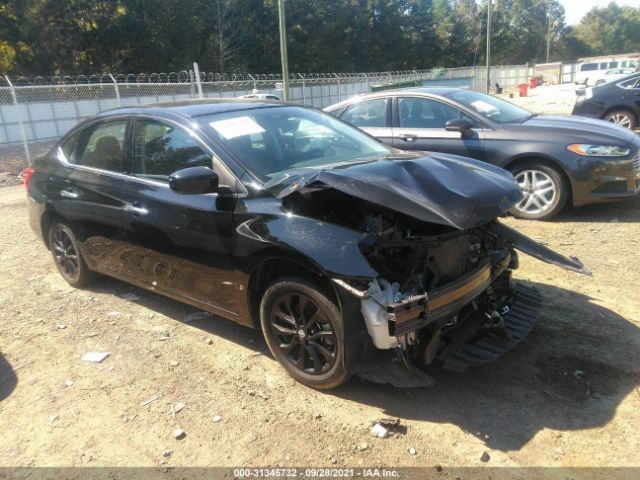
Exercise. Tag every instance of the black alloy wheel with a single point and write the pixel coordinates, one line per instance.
(305, 334)
(67, 256)
(304, 330)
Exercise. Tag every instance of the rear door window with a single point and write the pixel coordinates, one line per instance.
(160, 149)
(372, 113)
(100, 146)
(631, 83)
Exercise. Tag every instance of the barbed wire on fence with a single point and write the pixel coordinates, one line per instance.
(185, 76)
(36, 111)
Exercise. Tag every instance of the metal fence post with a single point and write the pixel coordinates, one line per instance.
(338, 77)
(115, 86)
(255, 84)
(196, 71)
(23, 132)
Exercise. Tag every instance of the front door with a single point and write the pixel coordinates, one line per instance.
(419, 125)
(174, 243)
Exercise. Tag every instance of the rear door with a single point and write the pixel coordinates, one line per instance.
(85, 190)
(177, 244)
(419, 125)
(373, 116)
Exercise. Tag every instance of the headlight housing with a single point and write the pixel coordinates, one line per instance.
(598, 150)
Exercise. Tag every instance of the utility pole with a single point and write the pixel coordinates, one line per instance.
(283, 51)
(488, 46)
(548, 29)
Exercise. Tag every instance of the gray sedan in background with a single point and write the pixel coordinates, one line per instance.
(556, 160)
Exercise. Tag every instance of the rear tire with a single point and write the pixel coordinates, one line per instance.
(545, 191)
(623, 118)
(67, 256)
(304, 330)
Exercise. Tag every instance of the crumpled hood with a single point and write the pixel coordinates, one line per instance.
(438, 188)
(575, 128)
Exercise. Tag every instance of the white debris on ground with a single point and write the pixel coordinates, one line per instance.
(132, 297)
(379, 431)
(95, 357)
(193, 317)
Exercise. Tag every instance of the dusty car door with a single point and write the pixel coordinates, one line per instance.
(177, 244)
(419, 124)
(85, 188)
(373, 116)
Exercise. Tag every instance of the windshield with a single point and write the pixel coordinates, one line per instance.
(490, 107)
(268, 141)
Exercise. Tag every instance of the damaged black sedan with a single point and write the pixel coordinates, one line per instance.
(344, 251)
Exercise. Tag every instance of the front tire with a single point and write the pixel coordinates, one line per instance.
(545, 191)
(304, 330)
(67, 256)
(623, 118)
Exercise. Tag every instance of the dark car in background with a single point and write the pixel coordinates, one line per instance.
(284, 218)
(555, 160)
(617, 101)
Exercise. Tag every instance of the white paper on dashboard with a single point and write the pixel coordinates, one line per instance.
(236, 127)
(482, 106)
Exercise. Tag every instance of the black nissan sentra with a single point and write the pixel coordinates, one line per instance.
(343, 250)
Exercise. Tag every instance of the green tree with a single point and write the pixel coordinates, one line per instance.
(611, 29)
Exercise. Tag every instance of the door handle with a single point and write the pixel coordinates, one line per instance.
(69, 193)
(407, 137)
(136, 209)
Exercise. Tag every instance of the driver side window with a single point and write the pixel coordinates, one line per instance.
(160, 149)
(426, 113)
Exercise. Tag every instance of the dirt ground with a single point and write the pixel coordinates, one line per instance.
(567, 396)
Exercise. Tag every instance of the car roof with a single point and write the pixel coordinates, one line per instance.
(195, 108)
(435, 90)
(441, 91)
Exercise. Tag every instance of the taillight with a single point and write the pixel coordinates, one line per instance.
(27, 173)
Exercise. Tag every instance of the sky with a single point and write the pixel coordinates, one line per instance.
(575, 9)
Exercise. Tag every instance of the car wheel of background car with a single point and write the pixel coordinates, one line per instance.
(67, 256)
(545, 191)
(304, 331)
(623, 118)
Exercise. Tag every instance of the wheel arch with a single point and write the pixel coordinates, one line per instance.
(624, 108)
(48, 218)
(547, 160)
(276, 264)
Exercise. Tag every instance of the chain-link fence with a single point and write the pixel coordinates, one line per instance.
(35, 112)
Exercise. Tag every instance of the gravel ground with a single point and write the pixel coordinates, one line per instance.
(567, 396)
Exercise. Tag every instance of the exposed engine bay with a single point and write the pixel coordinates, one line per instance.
(442, 294)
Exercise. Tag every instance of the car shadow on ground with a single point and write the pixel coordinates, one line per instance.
(571, 372)
(8, 378)
(623, 211)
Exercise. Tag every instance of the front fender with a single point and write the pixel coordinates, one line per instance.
(334, 249)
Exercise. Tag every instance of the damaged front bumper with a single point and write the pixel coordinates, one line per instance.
(419, 311)
(479, 297)
(387, 318)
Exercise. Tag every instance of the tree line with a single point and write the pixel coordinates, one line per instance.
(46, 37)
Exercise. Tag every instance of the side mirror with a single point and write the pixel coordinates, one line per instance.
(194, 180)
(458, 125)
